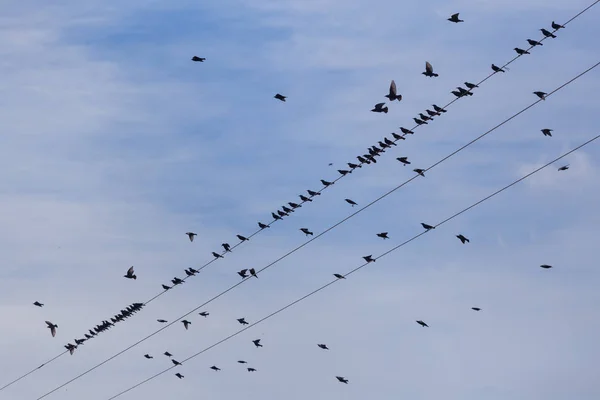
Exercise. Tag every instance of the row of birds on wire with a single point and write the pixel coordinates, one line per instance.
(366, 159)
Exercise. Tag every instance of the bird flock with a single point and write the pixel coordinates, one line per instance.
(369, 157)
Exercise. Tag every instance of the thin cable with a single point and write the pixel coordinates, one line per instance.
(357, 268)
(317, 236)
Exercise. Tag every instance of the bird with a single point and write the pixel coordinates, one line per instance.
(52, 328)
(226, 246)
(545, 266)
(175, 362)
(323, 346)
(393, 95)
(215, 368)
(383, 235)
(326, 183)
(179, 375)
(253, 273)
(476, 308)
(564, 168)
(464, 92)
(242, 321)
(521, 51)
(263, 226)
(425, 117)
(257, 343)
(217, 255)
(70, 347)
(419, 171)
(242, 238)
(369, 258)
(351, 202)
(148, 356)
(306, 231)
(497, 69)
(463, 239)
(403, 160)
(429, 70)
(541, 95)
(534, 42)
(406, 131)
(280, 97)
(242, 273)
(186, 323)
(191, 235)
(177, 281)
(166, 287)
(438, 108)
(471, 85)
(204, 314)
(162, 321)
(243, 362)
(130, 274)
(313, 193)
(166, 353)
(342, 379)
(556, 26)
(379, 108)
(37, 303)
(427, 226)
(339, 276)
(547, 131)
(454, 18)
(419, 122)
(198, 59)
(423, 324)
(343, 171)
(547, 33)
(250, 369)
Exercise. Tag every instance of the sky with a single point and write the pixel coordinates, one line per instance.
(114, 144)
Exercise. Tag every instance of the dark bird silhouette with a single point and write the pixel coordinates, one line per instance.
(403, 160)
(398, 137)
(250, 369)
(189, 273)
(521, 51)
(242, 321)
(198, 59)
(547, 33)
(275, 216)
(226, 246)
(306, 231)
(204, 314)
(263, 226)
(383, 235)
(215, 368)
(354, 166)
(379, 108)
(148, 356)
(454, 18)
(243, 273)
(343, 171)
(323, 346)
(326, 183)
(165, 287)
(243, 362)
(389, 142)
(217, 255)
(497, 69)
(541, 95)
(406, 131)
(242, 238)
(369, 258)
(424, 117)
(457, 93)
(438, 109)
(342, 379)
(193, 271)
(427, 226)
(177, 281)
(253, 273)
(175, 362)
(419, 171)
(464, 92)
(419, 122)
(463, 239)
(304, 198)
(52, 328)
(37, 303)
(556, 26)
(429, 70)
(393, 94)
(162, 321)
(179, 375)
(257, 343)
(423, 324)
(547, 131)
(166, 353)
(280, 97)
(534, 42)
(186, 323)
(351, 202)
(564, 168)
(545, 266)
(471, 85)
(71, 348)
(475, 308)
(339, 276)
(432, 113)
(313, 193)
(130, 274)
(191, 235)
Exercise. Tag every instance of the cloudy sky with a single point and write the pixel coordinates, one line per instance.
(114, 144)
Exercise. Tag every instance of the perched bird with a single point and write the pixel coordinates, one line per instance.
(564, 168)
(545, 266)
(162, 321)
(263, 226)
(179, 375)
(175, 362)
(403, 160)
(342, 379)
(186, 323)
(419, 171)
(547, 131)
(457, 93)
(427, 226)
(534, 42)
(497, 69)
(521, 51)
(423, 324)
(306, 231)
(420, 122)
(339, 276)
(464, 92)
(323, 346)
(432, 113)
(463, 239)
(204, 314)
(556, 26)
(379, 108)
(383, 235)
(424, 117)
(369, 258)
(52, 328)
(226, 246)
(177, 281)
(475, 308)
(198, 59)
(454, 18)
(351, 202)
(242, 238)
(393, 95)
(148, 356)
(243, 362)
(189, 273)
(215, 368)
(217, 255)
(242, 321)
(250, 369)
(547, 33)
(304, 198)
(541, 95)
(326, 183)
(257, 343)
(313, 193)
(165, 287)
(343, 171)
(471, 85)
(166, 353)
(354, 166)
(130, 274)
(243, 273)
(429, 70)
(253, 273)
(70, 347)
(37, 303)
(438, 109)
(406, 131)
(389, 142)
(191, 235)
(280, 97)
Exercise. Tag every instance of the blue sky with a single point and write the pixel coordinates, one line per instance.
(115, 144)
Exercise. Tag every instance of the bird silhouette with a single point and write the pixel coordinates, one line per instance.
(198, 59)
(175, 362)
(304, 198)
(475, 308)
(250, 369)
(556, 26)
(343, 171)
(429, 70)
(406, 131)
(545, 266)
(547, 131)
(242, 238)
(339, 276)
(166, 353)
(497, 69)
(186, 323)
(165, 287)
(369, 258)
(342, 379)
(454, 18)
(379, 108)
(541, 95)
(423, 324)
(463, 239)
(204, 314)
(130, 274)
(243, 273)
(37, 303)
(226, 246)
(471, 85)
(179, 375)
(521, 52)
(419, 171)
(217, 255)
(393, 94)
(257, 343)
(242, 321)
(148, 356)
(253, 272)
(162, 321)
(243, 362)
(419, 122)
(52, 328)
(351, 202)
(534, 42)
(177, 281)
(280, 97)
(383, 235)
(313, 193)
(438, 109)
(403, 160)
(306, 231)
(564, 168)
(547, 33)
(427, 226)
(191, 235)
(215, 368)
(263, 226)
(323, 346)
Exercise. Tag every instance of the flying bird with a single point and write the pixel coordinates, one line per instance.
(427, 226)
(556, 26)
(198, 59)
(186, 323)
(250, 369)
(521, 51)
(52, 328)
(204, 314)
(383, 235)
(243, 362)
(280, 97)
(306, 231)
(191, 235)
(547, 33)
(166, 353)
(429, 70)
(393, 95)
(379, 108)
(547, 131)
(242, 321)
(545, 266)
(369, 258)
(564, 168)
(534, 42)
(497, 69)
(403, 160)
(339, 276)
(130, 274)
(463, 239)
(541, 95)
(475, 308)
(351, 202)
(342, 379)
(454, 18)
(257, 343)
(162, 321)
(423, 324)
(323, 346)
(148, 356)
(179, 375)
(37, 303)
(215, 368)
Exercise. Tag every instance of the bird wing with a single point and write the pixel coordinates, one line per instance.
(130, 271)
(454, 16)
(393, 89)
(428, 67)
(53, 332)
(379, 105)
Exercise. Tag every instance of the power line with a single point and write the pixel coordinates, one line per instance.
(358, 268)
(322, 233)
